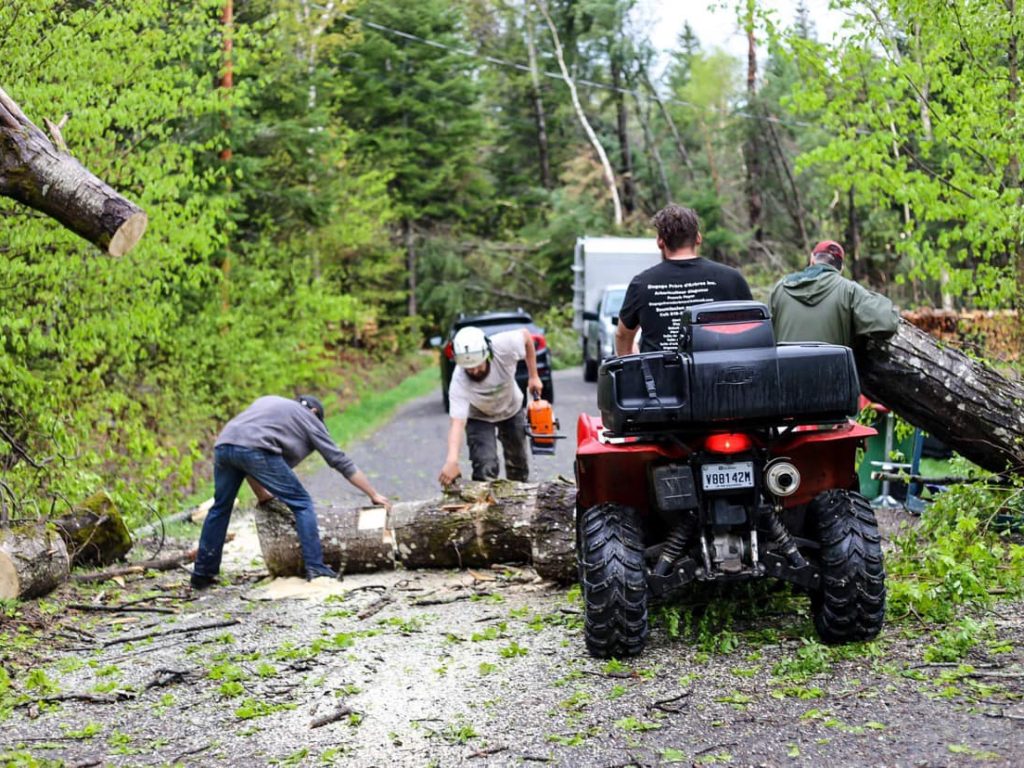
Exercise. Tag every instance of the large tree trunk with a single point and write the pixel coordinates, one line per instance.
(42, 176)
(595, 142)
(33, 561)
(651, 147)
(483, 524)
(752, 146)
(95, 533)
(538, 108)
(962, 402)
(622, 129)
(684, 156)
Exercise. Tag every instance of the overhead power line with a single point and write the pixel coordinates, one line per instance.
(558, 75)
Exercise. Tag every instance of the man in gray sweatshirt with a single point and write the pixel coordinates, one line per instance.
(263, 443)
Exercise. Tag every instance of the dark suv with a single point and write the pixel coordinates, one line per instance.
(496, 322)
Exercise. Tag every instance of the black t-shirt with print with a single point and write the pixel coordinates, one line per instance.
(658, 296)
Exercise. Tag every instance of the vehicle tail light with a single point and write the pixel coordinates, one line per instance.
(733, 327)
(539, 342)
(449, 351)
(728, 442)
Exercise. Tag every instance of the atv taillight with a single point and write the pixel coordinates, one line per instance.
(449, 351)
(539, 342)
(729, 442)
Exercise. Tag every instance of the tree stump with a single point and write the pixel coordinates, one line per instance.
(961, 401)
(95, 533)
(33, 561)
(480, 525)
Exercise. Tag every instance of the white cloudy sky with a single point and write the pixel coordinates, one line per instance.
(717, 27)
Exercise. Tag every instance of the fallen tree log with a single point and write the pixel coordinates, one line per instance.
(963, 402)
(168, 563)
(33, 561)
(479, 525)
(95, 533)
(40, 174)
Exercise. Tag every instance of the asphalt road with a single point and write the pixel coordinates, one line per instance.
(404, 457)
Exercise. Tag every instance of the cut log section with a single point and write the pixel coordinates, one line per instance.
(962, 402)
(36, 172)
(480, 525)
(95, 533)
(33, 561)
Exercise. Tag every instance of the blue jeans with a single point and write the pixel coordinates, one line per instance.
(231, 465)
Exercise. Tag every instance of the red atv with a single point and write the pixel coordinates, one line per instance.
(730, 460)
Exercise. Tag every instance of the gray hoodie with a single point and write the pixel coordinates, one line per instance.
(287, 428)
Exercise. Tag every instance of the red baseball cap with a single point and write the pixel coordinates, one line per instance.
(833, 249)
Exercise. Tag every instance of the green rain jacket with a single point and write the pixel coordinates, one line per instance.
(819, 304)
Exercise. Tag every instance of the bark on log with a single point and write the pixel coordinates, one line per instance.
(484, 523)
(33, 561)
(95, 534)
(42, 176)
(961, 401)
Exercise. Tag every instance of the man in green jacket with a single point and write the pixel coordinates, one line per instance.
(819, 304)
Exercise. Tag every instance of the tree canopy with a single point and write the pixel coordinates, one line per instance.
(378, 166)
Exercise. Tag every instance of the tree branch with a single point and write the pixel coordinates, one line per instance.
(37, 173)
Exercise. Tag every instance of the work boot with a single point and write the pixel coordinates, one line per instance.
(199, 582)
(321, 572)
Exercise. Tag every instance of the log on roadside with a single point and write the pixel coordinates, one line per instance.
(33, 561)
(480, 525)
(963, 402)
(95, 533)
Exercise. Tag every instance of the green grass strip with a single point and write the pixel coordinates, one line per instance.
(374, 409)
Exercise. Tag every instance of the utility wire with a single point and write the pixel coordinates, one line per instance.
(558, 76)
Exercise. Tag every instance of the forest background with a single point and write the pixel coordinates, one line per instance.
(377, 167)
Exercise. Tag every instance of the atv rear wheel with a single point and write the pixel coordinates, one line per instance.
(849, 606)
(611, 565)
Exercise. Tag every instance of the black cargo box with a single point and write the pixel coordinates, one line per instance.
(715, 381)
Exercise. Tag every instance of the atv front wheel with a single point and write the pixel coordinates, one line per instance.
(849, 606)
(611, 566)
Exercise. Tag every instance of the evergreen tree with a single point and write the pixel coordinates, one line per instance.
(415, 106)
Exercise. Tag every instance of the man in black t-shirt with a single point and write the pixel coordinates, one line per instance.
(658, 296)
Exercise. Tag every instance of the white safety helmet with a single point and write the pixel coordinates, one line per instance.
(470, 347)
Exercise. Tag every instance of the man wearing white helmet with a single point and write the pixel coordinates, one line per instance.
(486, 404)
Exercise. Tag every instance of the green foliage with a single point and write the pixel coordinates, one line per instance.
(253, 708)
(358, 156)
(919, 106)
(957, 557)
(249, 268)
(953, 643)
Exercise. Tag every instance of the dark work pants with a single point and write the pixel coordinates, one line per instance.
(483, 447)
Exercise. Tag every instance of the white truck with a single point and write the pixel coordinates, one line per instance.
(602, 268)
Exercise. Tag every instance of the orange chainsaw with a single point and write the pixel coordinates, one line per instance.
(541, 426)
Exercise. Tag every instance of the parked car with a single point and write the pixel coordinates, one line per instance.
(599, 330)
(492, 323)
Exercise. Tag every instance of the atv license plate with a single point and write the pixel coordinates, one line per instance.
(723, 477)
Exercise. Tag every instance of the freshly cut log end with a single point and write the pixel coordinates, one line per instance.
(42, 176)
(33, 561)
(128, 234)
